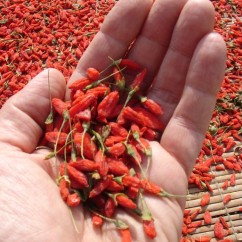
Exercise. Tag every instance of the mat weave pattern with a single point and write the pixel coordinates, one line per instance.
(230, 211)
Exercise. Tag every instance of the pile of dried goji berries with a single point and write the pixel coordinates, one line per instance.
(39, 34)
(103, 135)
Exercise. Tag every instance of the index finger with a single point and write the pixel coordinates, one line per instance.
(118, 31)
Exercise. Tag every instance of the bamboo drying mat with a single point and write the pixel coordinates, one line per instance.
(230, 212)
(216, 207)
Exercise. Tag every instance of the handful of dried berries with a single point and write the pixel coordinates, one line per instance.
(103, 135)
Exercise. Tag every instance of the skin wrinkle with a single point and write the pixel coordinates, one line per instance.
(36, 95)
(36, 115)
(125, 33)
(50, 166)
(170, 143)
(113, 41)
(168, 102)
(109, 233)
(37, 234)
(23, 181)
(5, 228)
(175, 77)
(188, 124)
(193, 80)
(214, 40)
(150, 42)
(182, 53)
(168, 97)
(195, 13)
(56, 90)
(162, 37)
(191, 121)
(161, 10)
(14, 140)
(174, 164)
(178, 231)
(168, 212)
(182, 161)
(175, 221)
(126, 27)
(208, 93)
(165, 235)
(5, 147)
(9, 194)
(29, 115)
(116, 41)
(146, 44)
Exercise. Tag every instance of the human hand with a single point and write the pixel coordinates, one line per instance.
(174, 41)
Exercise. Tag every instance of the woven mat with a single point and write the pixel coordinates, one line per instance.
(230, 212)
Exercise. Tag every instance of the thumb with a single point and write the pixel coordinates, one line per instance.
(22, 116)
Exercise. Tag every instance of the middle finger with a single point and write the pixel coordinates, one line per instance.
(195, 21)
(151, 45)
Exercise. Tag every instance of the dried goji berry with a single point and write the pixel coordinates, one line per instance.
(207, 217)
(150, 187)
(77, 176)
(64, 189)
(223, 222)
(100, 159)
(117, 150)
(124, 201)
(55, 137)
(205, 199)
(114, 186)
(86, 101)
(59, 105)
(109, 208)
(203, 239)
(99, 187)
(84, 165)
(73, 200)
(130, 64)
(80, 84)
(85, 145)
(97, 220)
(117, 168)
(194, 224)
(107, 105)
(232, 179)
(152, 106)
(226, 199)
(218, 230)
(149, 228)
(225, 185)
(92, 73)
(125, 235)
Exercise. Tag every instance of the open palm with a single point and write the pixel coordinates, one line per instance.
(174, 41)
